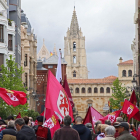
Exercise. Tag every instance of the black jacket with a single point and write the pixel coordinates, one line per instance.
(83, 131)
(26, 133)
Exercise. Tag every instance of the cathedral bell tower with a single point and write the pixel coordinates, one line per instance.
(74, 51)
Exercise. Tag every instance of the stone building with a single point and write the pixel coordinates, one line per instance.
(135, 46)
(28, 58)
(7, 34)
(75, 52)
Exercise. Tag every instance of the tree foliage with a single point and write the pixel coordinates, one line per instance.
(118, 96)
(11, 79)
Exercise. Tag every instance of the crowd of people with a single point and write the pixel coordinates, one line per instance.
(24, 129)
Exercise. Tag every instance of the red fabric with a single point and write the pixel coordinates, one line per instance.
(129, 109)
(116, 134)
(112, 116)
(66, 87)
(92, 116)
(2, 128)
(133, 98)
(51, 121)
(13, 97)
(19, 115)
(137, 116)
(138, 134)
(56, 97)
(133, 133)
(42, 132)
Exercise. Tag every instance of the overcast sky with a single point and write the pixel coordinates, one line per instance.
(108, 26)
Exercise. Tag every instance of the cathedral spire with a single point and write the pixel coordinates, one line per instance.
(74, 27)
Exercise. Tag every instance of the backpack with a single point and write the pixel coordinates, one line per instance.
(41, 132)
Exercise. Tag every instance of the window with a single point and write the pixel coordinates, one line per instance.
(26, 80)
(101, 90)
(1, 60)
(107, 90)
(130, 73)
(89, 105)
(50, 67)
(10, 46)
(25, 62)
(74, 46)
(74, 74)
(95, 90)
(71, 90)
(83, 90)
(74, 59)
(1, 34)
(89, 90)
(77, 90)
(124, 73)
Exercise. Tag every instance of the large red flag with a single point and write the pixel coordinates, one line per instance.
(66, 87)
(137, 116)
(51, 121)
(112, 116)
(56, 97)
(129, 109)
(12, 97)
(133, 98)
(92, 116)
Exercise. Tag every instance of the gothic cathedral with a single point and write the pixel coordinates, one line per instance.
(74, 51)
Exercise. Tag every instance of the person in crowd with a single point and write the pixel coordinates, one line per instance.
(66, 132)
(2, 125)
(9, 118)
(123, 130)
(116, 134)
(26, 119)
(83, 131)
(89, 125)
(31, 122)
(138, 133)
(95, 127)
(119, 119)
(133, 130)
(41, 131)
(108, 122)
(10, 132)
(102, 135)
(24, 131)
(109, 133)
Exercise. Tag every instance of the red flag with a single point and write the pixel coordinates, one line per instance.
(137, 116)
(133, 98)
(12, 97)
(129, 109)
(51, 121)
(19, 115)
(66, 87)
(56, 97)
(92, 116)
(112, 116)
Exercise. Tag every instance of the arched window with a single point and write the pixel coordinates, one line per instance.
(130, 73)
(74, 46)
(71, 90)
(74, 74)
(95, 90)
(89, 90)
(77, 90)
(74, 59)
(101, 90)
(107, 90)
(83, 90)
(124, 73)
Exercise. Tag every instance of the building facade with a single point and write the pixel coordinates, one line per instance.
(29, 59)
(75, 52)
(14, 14)
(7, 34)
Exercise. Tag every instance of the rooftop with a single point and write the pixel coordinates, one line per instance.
(128, 62)
(106, 80)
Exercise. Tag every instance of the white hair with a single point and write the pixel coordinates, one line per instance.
(11, 123)
(110, 130)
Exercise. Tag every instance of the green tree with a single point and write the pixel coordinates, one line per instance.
(118, 96)
(32, 113)
(11, 79)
